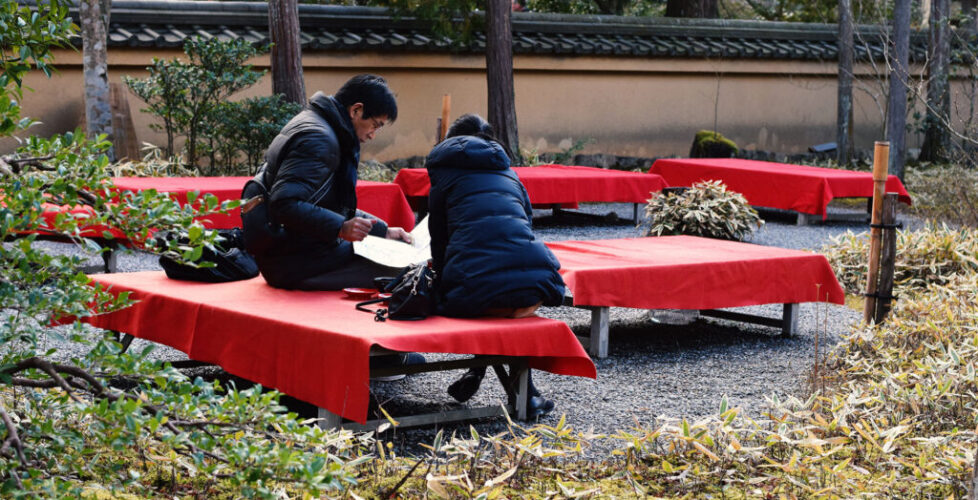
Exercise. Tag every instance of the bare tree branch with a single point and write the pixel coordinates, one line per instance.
(12, 439)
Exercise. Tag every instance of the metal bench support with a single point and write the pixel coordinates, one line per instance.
(515, 382)
(597, 342)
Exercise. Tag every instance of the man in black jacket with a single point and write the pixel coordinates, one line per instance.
(310, 174)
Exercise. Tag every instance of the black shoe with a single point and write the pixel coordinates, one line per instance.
(539, 406)
(406, 359)
(466, 386)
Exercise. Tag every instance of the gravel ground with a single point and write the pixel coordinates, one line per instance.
(653, 369)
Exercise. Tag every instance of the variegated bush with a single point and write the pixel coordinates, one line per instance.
(933, 255)
(707, 209)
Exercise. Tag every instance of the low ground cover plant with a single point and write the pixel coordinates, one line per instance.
(934, 255)
(946, 192)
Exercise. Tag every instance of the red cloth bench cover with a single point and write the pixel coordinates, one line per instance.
(560, 184)
(776, 185)
(314, 345)
(81, 213)
(385, 200)
(689, 272)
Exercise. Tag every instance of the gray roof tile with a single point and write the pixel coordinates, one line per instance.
(329, 27)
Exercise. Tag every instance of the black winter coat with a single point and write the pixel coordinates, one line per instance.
(482, 242)
(311, 174)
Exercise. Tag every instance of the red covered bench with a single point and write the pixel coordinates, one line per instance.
(689, 272)
(557, 185)
(803, 189)
(385, 200)
(316, 347)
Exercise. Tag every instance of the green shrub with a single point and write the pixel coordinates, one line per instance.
(242, 131)
(712, 144)
(707, 209)
(185, 95)
(945, 193)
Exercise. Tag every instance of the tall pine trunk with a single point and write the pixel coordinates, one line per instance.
(499, 75)
(94, 16)
(844, 111)
(896, 114)
(286, 56)
(936, 135)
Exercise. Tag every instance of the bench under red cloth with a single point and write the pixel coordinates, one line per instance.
(776, 185)
(385, 200)
(314, 345)
(560, 184)
(690, 272)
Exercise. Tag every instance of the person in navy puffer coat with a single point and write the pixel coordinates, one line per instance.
(485, 256)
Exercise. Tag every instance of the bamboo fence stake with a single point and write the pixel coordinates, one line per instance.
(881, 155)
(446, 111)
(887, 257)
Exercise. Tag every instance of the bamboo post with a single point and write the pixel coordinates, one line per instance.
(887, 258)
(446, 111)
(881, 155)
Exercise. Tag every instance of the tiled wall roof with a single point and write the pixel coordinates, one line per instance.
(340, 28)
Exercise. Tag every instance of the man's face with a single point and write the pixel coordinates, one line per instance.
(365, 128)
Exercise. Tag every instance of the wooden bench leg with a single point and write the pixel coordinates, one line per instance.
(328, 419)
(522, 374)
(110, 260)
(789, 320)
(599, 332)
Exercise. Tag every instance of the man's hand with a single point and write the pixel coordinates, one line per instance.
(356, 229)
(396, 233)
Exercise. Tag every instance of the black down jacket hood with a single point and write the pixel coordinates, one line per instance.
(482, 241)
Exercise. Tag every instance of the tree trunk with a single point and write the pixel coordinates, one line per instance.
(691, 8)
(499, 76)
(286, 56)
(94, 16)
(936, 135)
(896, 115)
(844, 111)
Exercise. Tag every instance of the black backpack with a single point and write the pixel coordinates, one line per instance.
(412, 295)
(231, 261)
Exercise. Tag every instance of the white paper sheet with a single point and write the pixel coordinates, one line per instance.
(396, 253)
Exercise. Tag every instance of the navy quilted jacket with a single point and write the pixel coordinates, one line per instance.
(482, 242)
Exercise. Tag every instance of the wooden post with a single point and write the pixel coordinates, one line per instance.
(123, 131)
(880, 167)
(437, 130)
(446, 111)
(887, 258)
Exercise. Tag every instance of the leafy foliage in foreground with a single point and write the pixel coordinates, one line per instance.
(73, 425)
(707, 209)
(931, 256)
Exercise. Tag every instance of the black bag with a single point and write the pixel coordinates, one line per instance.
(412, 295)
(231, 262)
(262, 233)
